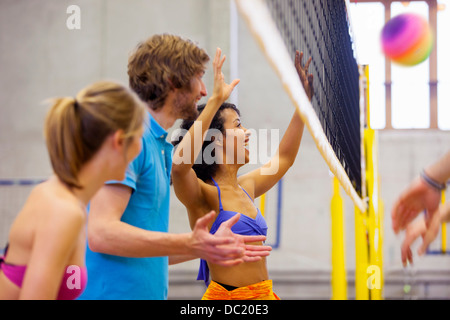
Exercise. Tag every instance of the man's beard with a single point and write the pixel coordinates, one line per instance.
(185, 107)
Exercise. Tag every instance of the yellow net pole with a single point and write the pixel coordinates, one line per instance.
(262, 205)
(374, 220)
(361, 256)
(374, 214)
(443, 228)
(338, 272)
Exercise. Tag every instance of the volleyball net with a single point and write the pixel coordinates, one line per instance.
(319, 29)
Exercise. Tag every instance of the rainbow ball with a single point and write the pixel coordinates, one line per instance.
(407, 39)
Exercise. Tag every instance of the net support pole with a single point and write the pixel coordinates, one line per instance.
(338, 271)
(361, 256)
(375, 230)
(443, 228)
(262, 205)
(375, 205)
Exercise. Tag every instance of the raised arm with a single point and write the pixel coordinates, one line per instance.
(264, 178)
(188, 189)
(186, 184)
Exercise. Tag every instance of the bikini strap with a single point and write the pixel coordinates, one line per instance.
(218, 189)
(246, 193)
(3, 257)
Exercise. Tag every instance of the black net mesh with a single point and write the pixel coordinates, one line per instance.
(320, 29)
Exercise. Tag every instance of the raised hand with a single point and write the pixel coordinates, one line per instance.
(305, 78)
(221, 90)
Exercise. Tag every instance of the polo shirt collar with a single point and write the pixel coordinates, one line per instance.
(156, 129)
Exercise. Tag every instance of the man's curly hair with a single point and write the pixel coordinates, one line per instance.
(161, 63)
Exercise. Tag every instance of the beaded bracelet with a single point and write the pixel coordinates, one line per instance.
(432, 183)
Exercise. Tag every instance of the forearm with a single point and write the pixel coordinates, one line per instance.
(193, 140)
(48, 288)
(290, 143)
(440, 170)
(45, 275)
(121, 239)
(179, 258)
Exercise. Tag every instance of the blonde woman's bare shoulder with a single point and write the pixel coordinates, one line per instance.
(52, 198)
(46, 212)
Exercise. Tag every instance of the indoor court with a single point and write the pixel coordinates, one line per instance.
(371, 127)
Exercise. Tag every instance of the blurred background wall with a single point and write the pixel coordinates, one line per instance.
(40, 57)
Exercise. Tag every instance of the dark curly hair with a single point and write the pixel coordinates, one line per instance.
(203, 170)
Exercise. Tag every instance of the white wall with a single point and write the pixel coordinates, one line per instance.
(41, 58)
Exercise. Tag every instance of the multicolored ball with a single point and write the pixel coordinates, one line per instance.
(407, 39)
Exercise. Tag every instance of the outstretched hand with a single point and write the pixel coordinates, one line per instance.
(251, 252)
(305, 78)
(221, 90)
(224, 247)
(415, 199)
(428, 230)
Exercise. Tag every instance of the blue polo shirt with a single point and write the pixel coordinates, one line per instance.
(114, 277)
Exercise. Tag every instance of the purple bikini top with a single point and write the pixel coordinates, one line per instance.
(245, 226)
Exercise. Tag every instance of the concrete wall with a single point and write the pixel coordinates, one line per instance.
(41, 58)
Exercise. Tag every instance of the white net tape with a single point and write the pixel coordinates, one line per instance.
(259, 20)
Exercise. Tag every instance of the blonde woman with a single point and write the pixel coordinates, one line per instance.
(90, 139)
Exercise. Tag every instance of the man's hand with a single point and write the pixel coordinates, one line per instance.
(224, 247)
(252, 252)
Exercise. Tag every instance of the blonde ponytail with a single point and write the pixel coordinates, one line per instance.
(75, 129)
